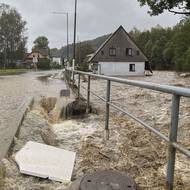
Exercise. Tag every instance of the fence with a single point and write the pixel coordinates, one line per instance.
(177, 93)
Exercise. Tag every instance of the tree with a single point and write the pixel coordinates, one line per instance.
(187, 61)
(166, 48)
(12, 35)
(158, 7)
(41, 43)
(82, 51)
(168, 56)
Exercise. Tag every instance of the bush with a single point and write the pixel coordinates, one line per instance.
(55, 65)
(83, 67)
(43, 64)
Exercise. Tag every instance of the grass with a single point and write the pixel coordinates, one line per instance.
(13, 71)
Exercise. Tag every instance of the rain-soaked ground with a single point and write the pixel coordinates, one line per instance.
(14, 90)
(131, 148)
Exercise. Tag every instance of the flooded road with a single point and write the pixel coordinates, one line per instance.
(16, 89)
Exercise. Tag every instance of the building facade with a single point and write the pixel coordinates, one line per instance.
(119, 55)
(35, 55)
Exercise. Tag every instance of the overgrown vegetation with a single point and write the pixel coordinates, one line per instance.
(55, 65)
(167, 48)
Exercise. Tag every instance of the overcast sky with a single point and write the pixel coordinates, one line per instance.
(95, 18)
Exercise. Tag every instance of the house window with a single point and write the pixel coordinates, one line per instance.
(138, 52)
(132, 67)
(102, 52)
(129, 51)
(112, 52)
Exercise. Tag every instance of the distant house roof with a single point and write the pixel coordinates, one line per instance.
(38, 54)
(95, 57)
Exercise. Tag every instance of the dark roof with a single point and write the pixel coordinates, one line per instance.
(109, 38)
(44, 52)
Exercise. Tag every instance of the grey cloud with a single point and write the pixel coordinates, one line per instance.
(95, 18)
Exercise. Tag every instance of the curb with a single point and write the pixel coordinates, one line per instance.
(22, 111)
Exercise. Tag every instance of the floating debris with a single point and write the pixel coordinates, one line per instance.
(45, 161)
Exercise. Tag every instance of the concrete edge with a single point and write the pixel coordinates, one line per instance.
(27, 106)
(24, 108)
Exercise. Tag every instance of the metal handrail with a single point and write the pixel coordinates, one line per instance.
(177, 92)
(155, 131)
(148, 85)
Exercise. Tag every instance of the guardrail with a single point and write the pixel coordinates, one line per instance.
(177, 93)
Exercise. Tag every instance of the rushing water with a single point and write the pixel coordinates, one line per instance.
(14, 90)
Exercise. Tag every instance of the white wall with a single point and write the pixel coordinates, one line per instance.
(57, 60)
(121, 68)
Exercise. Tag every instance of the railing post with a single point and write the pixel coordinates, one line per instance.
(78, 85)
(73, 77)
(88, 95)
(107, 109)
(172, 138)
(73, 68)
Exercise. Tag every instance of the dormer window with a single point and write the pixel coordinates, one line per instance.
(112, 51)
(102, 52)
(138, 52)
(129, 51)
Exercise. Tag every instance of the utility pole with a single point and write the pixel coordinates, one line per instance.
(75, 29)
(67, 37)
(67, 15)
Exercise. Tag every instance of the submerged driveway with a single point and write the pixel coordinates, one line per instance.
(14, 91)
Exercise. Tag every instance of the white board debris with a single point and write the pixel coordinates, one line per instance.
(46, 161)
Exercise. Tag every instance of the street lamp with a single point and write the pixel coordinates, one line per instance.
(75, 28)
(66, 14)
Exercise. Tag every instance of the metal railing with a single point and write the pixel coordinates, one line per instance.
(177, 93)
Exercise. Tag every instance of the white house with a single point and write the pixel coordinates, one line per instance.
(119, 55)
(56, 57)
(57, 60)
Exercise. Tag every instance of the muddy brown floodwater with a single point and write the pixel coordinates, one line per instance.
(14, 90)
(131, 148)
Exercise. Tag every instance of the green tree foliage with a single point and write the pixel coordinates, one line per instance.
(43, 64)
(158, 7)
(187, 60)
(41, 43)
(81, 52)
(167, 48)
(12, 36)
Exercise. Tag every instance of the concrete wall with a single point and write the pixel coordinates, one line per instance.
(121, 68)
